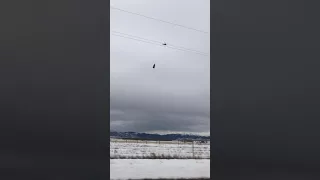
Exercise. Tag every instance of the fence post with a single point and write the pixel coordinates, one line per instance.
(193, 149)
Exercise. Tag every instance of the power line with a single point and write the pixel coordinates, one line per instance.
(160, 43)
(157, 44)
(169, 44)
(135, 36)
(136, 39)
(190, 28)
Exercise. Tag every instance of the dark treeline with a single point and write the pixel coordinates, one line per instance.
(157, 137)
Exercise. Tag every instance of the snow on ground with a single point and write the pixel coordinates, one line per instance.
(147, 149)
(159, 168)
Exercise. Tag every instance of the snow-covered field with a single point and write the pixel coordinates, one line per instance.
(159, 168)
(121, 149)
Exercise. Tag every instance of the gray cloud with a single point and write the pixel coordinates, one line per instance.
(175, 96)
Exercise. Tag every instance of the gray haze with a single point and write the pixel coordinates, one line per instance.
(175, 96)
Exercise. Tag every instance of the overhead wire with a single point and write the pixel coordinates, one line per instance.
(159, 43)
(136, 39)
(160, 20)
(168, 44)
(135, 36)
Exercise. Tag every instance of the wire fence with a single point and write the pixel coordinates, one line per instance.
(145, 149)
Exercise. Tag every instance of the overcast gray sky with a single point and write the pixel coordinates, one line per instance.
(175, 96)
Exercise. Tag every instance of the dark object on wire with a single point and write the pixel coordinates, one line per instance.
(164, 44)
(154, 65)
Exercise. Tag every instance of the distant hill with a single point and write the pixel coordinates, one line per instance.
(166, 137)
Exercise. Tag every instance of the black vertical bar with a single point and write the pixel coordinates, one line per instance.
(54, 96)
